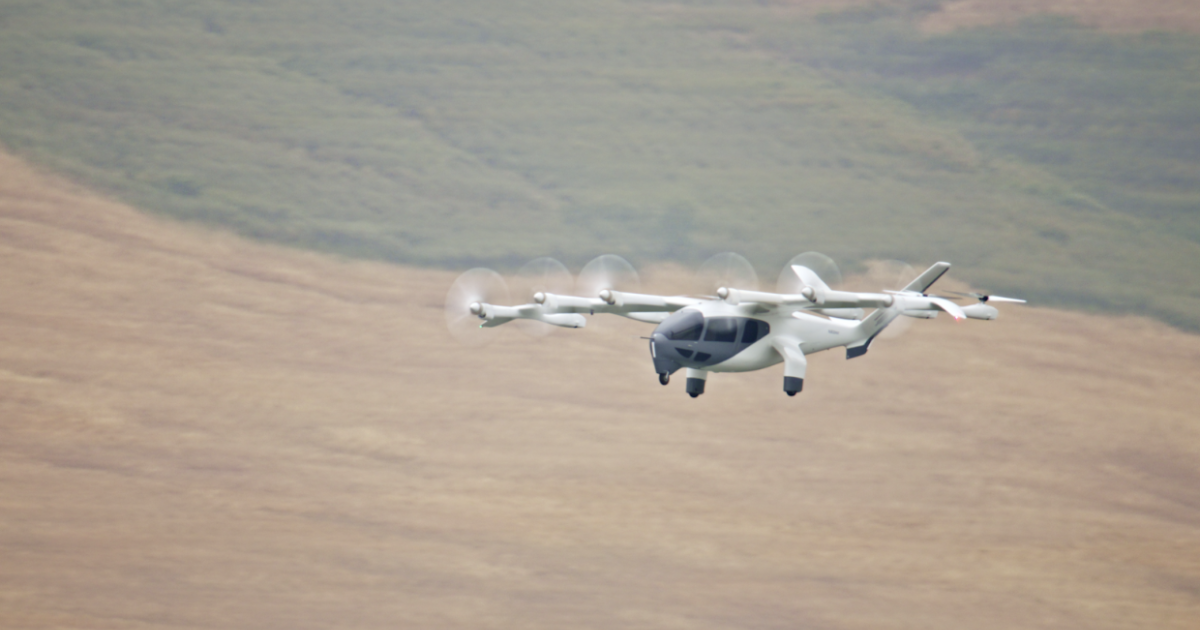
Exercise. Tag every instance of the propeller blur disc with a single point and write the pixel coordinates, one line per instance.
(474, 285)
(607, 272)
(984, 297)
(545, 275)
(821, 264)
(726, 270)
(887, 275)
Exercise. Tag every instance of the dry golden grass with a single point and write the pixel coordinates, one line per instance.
(1108, 15)
(201, 432)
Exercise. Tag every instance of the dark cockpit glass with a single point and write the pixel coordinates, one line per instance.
(692, 326)
(755, 330)
(686, 328)
(721, 329)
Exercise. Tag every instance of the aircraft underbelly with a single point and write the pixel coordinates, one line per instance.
(756, 357)
(818, 334)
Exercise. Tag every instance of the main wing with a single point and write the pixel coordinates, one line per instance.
(567, 310)
(817, 296)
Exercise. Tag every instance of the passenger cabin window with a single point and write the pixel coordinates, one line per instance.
(687, 328)
(721, 329)
(755, 330)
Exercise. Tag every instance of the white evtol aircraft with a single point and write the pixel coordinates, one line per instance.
(737, 330)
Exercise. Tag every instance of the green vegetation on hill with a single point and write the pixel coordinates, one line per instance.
(1046, 159)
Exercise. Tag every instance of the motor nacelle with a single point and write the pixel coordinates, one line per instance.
(564, 320)
(840, 313)
(981, 311)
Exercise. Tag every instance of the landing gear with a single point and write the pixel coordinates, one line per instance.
(664, 378)
(695, 387)
(792, 385)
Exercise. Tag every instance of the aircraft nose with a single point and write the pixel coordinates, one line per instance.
(663, 364)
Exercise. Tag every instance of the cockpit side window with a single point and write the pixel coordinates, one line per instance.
(721, 329)
(755, 330)
(687, 328)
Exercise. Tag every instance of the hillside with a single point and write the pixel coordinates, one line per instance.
(1110, 15)
(197, 431)
(1041, 157)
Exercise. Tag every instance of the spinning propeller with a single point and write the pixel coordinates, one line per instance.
(603, 274)
(479, 289)
(811, 271)
(540, 275)
(827, 272)
(725, 270)
(607, 272)
(465, 301)
(983, 297)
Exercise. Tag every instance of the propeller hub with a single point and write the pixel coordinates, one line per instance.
(539, 297)
(607, 296)
(723, 293)
(476, 308)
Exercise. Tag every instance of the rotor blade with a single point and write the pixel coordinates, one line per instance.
(820, 264)
(983, 297)
(607, 272)
(478, 285)
(540, 275)
(726, 270)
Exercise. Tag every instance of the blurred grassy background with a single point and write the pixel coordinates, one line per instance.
(1043, 159)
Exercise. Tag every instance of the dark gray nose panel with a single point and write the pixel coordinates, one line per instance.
(663, 355)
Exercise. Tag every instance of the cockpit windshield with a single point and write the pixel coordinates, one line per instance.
(686, 328)
(721, 329)
(691, 326)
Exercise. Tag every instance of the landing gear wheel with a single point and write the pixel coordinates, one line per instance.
(792, 385)
(664, 378)
(695, 387)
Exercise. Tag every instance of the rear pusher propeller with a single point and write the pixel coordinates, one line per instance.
(983, 309)
(983, 297)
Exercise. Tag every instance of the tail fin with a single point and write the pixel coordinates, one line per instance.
(926, 280)
(870, 328)
(874, 324)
